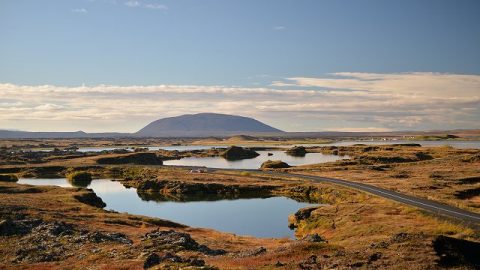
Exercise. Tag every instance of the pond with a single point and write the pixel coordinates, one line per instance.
(259, 217)
(254, 163)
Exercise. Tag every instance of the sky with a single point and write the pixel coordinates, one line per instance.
(298, 65)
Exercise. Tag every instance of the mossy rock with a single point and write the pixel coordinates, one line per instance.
(274, 164)
(80, 179)
(8, 178)
(297, 151)
(238, 153)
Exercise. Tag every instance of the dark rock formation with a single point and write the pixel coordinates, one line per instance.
(151, 260)
(297, 151)
(274, 164)
(251, 252)
(300, 215)
(171, 240)
(47, 241)
(315, 238)
(14, 227)
(102, 237)
(237, 153)
(304, 213)
(155, 259)
(310, 264)
(135, 158)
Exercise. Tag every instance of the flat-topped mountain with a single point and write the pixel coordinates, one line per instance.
(204, 124)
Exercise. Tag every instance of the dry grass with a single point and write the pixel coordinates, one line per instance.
(440, 178)
(356, 224)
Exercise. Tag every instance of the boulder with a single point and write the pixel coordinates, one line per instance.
(297, 151)
(251, 252)
(305, 213)
(151, 260)
(309, 263)
(162, 240)
(154, 259)
(237, 153)
(314, 238)
(102, 237)
(274, 164)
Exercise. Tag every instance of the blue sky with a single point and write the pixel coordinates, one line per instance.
(245, 46)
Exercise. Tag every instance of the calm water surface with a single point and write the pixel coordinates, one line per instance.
(260, 217)
(152, 148)
(254, 163)
(456, 144)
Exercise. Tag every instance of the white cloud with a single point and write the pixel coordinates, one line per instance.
(156, 6)
(132, 3)
(48, 107)
(415, 83)
(279, 27)
(153, 6)
(382, 102)
(79, 10)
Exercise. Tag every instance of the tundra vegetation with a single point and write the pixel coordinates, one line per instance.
(79, 178)
(50, 227)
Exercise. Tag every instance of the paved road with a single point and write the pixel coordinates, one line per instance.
(469, 218)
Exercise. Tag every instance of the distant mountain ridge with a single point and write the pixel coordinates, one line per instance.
(16, 134)
(188, 125)
(205, 124)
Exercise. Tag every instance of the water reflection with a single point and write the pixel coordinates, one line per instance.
(83, 183)
(255, 163)
(455, 144)
(158, 197)
(262, 216)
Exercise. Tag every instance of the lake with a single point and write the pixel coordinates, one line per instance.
(254, 163)
(259, 217)
(456, 144)
(152, 148)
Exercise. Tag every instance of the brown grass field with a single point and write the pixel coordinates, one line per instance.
(361, 231)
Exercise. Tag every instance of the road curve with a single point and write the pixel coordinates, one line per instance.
(468, 218)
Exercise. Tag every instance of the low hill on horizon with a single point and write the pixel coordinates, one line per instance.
(220, 127)
(205, 124)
